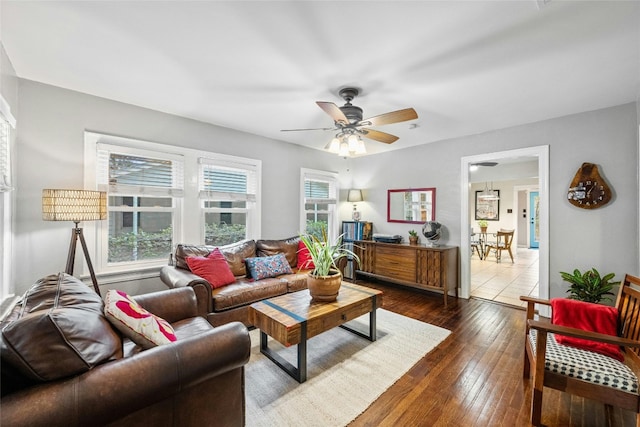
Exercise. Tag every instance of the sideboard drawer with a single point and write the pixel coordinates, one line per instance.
(393, 262)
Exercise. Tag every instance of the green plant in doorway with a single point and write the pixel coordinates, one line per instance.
(589, 286)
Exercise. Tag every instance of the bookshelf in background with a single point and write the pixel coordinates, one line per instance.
(351, 232)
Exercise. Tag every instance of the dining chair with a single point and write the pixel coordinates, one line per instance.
(502, 243)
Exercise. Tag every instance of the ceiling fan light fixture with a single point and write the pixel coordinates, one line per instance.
(353, 142)
(334, 145)
(344, 149)
(361, 148)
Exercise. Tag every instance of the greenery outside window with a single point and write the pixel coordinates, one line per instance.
(319, 195)
(228, 197)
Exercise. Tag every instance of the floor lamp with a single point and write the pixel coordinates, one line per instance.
(75, 206)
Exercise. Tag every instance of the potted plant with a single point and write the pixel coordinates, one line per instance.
(325, 279)
(413, 237)
(483, 224)
(589, 286)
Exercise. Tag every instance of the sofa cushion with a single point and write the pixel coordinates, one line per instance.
(143, 328)
(244, 291)
(288, 247)
(212, 268)
(57, 330)
(235, 254)
(305, 262)
(268, 266)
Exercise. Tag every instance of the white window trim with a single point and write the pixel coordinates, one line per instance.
(333, 214)
(189, 211)
(6, 214)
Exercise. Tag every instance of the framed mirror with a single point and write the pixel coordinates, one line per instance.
(411, 205)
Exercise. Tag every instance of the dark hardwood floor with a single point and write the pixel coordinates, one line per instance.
(473, 378)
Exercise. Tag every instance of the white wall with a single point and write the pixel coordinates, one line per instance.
(50, 155)
(604, 238)
(50, 144)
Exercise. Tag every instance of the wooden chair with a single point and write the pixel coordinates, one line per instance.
(502, 243)
(550, 362)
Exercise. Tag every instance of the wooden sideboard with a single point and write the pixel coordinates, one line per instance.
(418, 266)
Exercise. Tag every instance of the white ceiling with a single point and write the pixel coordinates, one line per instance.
(259, 66)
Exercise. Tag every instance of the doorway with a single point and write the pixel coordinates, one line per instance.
(542, 155)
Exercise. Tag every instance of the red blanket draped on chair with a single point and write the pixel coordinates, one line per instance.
(588, 317)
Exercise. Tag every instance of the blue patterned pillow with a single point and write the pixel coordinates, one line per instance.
(268, 266)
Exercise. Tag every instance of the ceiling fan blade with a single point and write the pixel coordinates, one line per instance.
(393, 117)
(297, 130)
(334, 111)
(376, 135)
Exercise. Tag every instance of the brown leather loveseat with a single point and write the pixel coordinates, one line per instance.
(63, 364)
(231, 302)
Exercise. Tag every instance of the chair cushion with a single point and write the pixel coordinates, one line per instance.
(586, 365)
(58, 330)
(143, 328)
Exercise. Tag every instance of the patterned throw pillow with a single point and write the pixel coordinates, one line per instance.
(268, 266)
(212, 268)
(143, 328)
(304, 257)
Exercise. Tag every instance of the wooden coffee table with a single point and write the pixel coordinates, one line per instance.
(292, 319)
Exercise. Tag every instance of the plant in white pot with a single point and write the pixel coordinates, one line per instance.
(325, 279)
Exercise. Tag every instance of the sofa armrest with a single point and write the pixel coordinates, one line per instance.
(172, 305)
(179, 278)
(113, 390)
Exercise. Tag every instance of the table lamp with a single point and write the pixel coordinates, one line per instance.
(75, 206)
(355, 196)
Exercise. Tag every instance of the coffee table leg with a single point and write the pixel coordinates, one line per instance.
(300, 373)
(372, 324)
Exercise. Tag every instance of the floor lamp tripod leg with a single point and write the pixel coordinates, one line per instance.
(71, 257)
(88, 259)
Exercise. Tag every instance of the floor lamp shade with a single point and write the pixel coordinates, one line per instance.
(76, 206)
(73, 205)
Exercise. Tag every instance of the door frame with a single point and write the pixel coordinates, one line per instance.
(542, 153)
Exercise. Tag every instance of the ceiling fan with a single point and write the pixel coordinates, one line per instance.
(348, 119)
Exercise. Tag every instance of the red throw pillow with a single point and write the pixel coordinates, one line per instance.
(304, 257)
(212, 268)
(588, 317)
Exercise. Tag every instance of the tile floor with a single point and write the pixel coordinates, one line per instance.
(503, 281)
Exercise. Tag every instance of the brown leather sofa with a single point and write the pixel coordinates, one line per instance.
(64, 365)
(231, 303)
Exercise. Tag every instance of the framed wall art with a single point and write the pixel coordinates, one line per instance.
(488, 208)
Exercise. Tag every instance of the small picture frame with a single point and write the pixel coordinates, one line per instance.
(488, 209)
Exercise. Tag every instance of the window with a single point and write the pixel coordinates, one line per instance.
(228, 195)
(152, 208)
(320, 195)
(7, 123)
(5, 160)
(145, 190)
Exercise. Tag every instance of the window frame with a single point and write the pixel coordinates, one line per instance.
(325, 176)
(7, 197)
(252, 170)
(188, 219)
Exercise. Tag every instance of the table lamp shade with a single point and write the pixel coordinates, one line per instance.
(73, 205)
(354, 196)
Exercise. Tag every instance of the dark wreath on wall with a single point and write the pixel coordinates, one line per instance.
(488, 209)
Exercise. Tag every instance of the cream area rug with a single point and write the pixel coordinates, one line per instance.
(345, 373)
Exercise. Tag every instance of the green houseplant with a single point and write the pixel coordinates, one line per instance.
(483, 224)
(325, 279)
(413, 237)
(589, 286)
